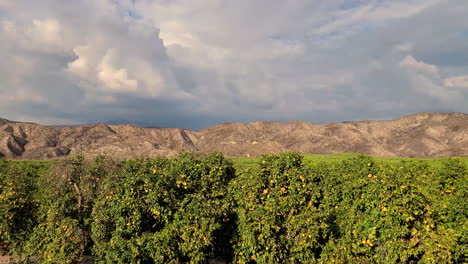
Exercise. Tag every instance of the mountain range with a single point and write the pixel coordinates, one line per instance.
(424, 135)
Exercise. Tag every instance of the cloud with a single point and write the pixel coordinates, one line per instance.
(46, 32)
(404, 47)
(459, 81)
(197, 63)
(115, 79)
(410, 63)
(97, 57)
(89, 66)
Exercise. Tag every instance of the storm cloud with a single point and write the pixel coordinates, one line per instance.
(197, 63)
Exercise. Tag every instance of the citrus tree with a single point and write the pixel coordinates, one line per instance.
(388, 213)
(191, 208)
(65, 201)
(451, 208)
(17, 204)
(279, 219)
(162, 211)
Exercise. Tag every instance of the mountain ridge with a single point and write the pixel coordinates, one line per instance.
(424, 135)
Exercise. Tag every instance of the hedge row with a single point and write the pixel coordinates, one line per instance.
(191, 209)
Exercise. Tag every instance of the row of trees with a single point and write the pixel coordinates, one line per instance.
(190, 209)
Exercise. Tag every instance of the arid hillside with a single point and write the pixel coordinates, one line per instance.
(418, 135)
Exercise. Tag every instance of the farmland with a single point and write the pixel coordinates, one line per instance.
(285, 208)
(242, 163)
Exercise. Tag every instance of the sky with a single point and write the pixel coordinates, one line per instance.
(197, 63)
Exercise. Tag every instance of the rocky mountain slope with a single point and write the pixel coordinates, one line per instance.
(418, 135)
(4, 121)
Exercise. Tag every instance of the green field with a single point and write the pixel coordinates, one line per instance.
(251, 163)
(246, 163)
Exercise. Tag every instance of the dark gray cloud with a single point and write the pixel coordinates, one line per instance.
(196, 63)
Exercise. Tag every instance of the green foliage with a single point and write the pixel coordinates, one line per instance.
(388, 214)
(284, 209)
(279, 220)
(451, 208)
(66, 198)
(162, 211)
(17, 204)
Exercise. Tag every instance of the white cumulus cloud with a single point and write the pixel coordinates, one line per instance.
(458, 81)
(411, 63)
